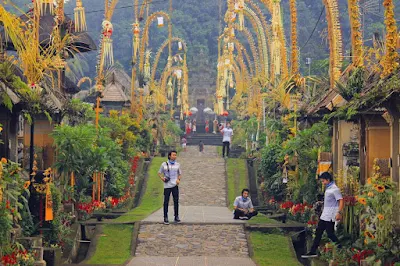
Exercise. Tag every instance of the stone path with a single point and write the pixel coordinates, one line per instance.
(192, 240)
(208, 235)
(197, 214)
(203, 179)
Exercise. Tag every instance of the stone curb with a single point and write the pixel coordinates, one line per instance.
(249, 245)
(93, 244)
(194, 223)
(134, 243)
(292, 250)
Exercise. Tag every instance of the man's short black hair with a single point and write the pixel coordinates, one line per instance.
(245, 189)
(169, 154)
(326, 176)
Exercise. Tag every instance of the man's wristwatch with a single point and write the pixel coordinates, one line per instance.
(340, 212)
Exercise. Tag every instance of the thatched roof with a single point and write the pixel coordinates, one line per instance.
(373, 98)
(81, 40)
(15, 99)
(49, 99)
(328, 102)
(114, 91)
(120, 76)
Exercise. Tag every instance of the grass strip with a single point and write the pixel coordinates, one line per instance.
(237, 178)
(114, 245)
(153, 197)
(272, 249)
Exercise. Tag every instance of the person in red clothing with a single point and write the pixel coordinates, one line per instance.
(207, 126)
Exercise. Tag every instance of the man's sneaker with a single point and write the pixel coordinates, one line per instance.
(177, 220)
(309, 255)
(243, 218)
(166, 220)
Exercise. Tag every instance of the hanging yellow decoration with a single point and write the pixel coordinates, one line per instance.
(169, 86)
(179, 101)
(108, 47)
(275, 46)
(147, 65)
(390, 57)
(136, 39)
(45, 6)
(72, 179)
(356, 35)
(49, 204)
(80, 17)
(231, 84)
(240, 7)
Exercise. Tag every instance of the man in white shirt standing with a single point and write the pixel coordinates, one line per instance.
(170, 173)
(227, 134)
(333, 211)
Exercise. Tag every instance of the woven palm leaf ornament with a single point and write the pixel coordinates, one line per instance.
(80, 17)
(108, 43)
(169, 88)
(44, 6)
(146, 72)
(239, 6)
(136, 39)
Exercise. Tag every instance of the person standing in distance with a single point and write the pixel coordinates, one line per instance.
(227, 134)
(170, 173)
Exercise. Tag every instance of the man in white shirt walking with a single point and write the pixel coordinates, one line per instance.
(333, 211)
(227, 134)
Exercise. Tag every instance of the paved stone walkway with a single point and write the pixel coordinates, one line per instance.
(192, 240)
(203, 179)
(197, 214)
(208, 235)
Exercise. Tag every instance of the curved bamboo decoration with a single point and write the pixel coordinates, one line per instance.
(262, 40)
(271, 5)
(253, 48)
(159, 52)
(335, 40)
(242, 51)
(294, 53)
(246, 56)
(356, 35)
(391, 55)
(145, 36)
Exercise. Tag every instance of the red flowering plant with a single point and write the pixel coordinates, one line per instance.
(287, 205)
(359, 255)
(12, 187)
(300, 212)
(134, 167)
(17, 255)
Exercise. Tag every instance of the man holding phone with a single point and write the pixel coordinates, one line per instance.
(170, 173)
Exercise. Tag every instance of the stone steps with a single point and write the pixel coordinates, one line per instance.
(192, 240)
(208, 139)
